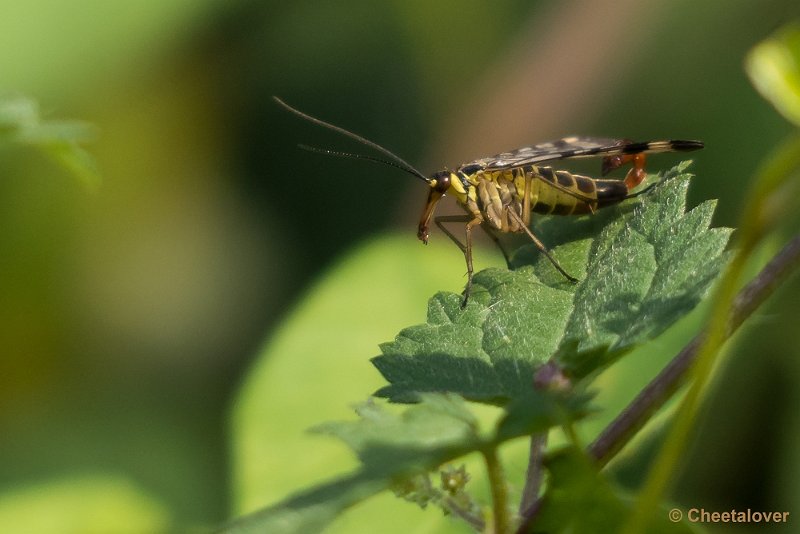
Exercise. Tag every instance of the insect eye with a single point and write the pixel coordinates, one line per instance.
(442, 181)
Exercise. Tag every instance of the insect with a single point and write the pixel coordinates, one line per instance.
(498, 193)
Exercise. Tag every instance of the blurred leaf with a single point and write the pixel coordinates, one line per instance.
(390, 447)
(20, 123)
(424, 436)
(82, 505)
(316, 365)
(76, 160)
(579, 499)
(393, 447)
(536, 411)
(83, 58)
(774, 69)
(642, 269)
(311, 510)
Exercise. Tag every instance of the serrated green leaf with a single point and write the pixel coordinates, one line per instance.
(476, 348)
(654, 270)
(643, 264)
(579, 499)
(422, 437)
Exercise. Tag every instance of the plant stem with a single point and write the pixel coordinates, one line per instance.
(533, 476)
(497, 484)
(475, 521)
(768, 204)
(620, 431)
(655, 394)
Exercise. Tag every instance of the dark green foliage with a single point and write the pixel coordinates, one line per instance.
(579, 499)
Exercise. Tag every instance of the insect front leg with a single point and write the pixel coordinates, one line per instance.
(466, 247)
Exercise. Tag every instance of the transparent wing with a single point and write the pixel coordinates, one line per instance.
(575, 147)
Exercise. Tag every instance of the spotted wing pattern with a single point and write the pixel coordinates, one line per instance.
(574, 147)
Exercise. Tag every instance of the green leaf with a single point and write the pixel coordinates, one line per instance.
(20, 123)
(393, 447)
(643, 265)
(316, 364)
(310, 510)
(422, 437)
(579, 499)
(536, 411)
(471, 351)
(774, 69)
(390, 446)
(646, 270)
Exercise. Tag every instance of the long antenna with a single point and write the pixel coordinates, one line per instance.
(340, 154)
(401, 163)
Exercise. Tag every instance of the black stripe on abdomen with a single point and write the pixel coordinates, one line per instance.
(610, 192)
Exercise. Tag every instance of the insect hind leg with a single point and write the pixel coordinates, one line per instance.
(541, 247)
(635, 175)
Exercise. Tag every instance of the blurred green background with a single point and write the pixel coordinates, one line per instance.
(130, 315)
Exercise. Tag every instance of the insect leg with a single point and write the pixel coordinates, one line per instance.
(541, 247)
(637, 172)
(494, 237)
(465, 248)
(526, 201)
